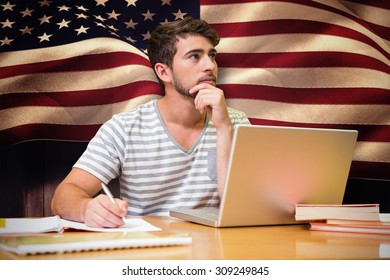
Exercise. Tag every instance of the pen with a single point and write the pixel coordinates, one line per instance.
(111, 197)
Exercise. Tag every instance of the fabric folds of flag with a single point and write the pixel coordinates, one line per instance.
(323, 63)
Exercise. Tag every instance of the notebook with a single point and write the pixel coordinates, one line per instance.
(79, 241)
(272, 168)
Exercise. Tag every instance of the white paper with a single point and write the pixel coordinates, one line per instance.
(132, 225)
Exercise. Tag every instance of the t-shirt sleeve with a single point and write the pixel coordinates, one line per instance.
(102, 158)
(238, 117)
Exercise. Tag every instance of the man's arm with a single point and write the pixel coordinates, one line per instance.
(211, 99)
(73, 200)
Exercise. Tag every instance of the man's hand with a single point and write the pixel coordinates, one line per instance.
(101, 212)
(211, 99)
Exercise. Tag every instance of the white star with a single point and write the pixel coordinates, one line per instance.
(6, 41)
(101, 2)
(44, 19)
(100, 24)
(112, 28)
(113, 15)
(26, 30)
(63, 23)
(8, 6)
(99, 17)
(179, 15)
(114, 34)
(146, 36)
(131, 24)
(165, 21)
(131, 2)
(45, 3)
(166, 2)
(131, 39)
(63, 8)
(148, 15)
(81, 16)
(82, 8)
(82, 29)
(45, 37)
(26, 12)
(7, 23)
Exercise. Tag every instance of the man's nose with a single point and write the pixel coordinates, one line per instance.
(209, 64)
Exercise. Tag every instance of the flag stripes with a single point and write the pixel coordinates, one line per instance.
(322, 64)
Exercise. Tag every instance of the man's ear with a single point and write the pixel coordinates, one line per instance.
(163, 72)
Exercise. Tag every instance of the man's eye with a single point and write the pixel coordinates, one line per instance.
(213, 56)
(194, 56)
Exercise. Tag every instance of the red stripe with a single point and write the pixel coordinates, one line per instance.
(308, 95)
(78, 63)
(81, 98)
(47, 131)
(369, 170)
(287, 26)
(384, 4)
(382, 31)
(371, 133)
(300, 59)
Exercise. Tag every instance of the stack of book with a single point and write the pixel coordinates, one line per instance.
(359, 218)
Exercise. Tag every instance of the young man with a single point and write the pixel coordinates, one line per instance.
(170, 152)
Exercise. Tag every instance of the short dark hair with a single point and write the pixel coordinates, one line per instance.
(162, 43)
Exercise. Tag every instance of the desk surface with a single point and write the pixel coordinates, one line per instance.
(265, 242)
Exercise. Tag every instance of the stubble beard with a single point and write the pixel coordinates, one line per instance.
(185, 92)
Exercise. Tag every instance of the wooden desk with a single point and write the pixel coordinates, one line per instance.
(247, 243)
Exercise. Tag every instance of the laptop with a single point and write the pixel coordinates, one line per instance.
(272, 168)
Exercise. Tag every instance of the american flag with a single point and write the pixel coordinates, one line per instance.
(67, 66)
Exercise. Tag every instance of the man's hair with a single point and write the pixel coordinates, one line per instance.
(162, 43)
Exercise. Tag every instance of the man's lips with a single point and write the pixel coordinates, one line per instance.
(210, 81)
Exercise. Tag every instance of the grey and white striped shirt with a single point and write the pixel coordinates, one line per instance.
(155, 173)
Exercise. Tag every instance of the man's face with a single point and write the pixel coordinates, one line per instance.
(193, 63)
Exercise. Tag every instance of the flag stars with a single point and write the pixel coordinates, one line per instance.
(6, 41)
(81, 30)
(63, 23)
(100, 24)
(7, 23)
(112, 28)
(45, 19)
(26, 30)
(101, 2)
(131, 3)
(81, 16)
(63, 8)
(44, 37)
(113, 15)
(131, 24)
(99, 17)
(166, 2)
(146, 36)
(26, 13)
(148, 16)
(45, 3)
(179, 15)
(8, 6)
(131, 39)
(81, 8)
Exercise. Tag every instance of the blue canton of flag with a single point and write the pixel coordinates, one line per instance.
(36, 24)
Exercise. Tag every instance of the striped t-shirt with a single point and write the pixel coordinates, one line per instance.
(155, 173)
